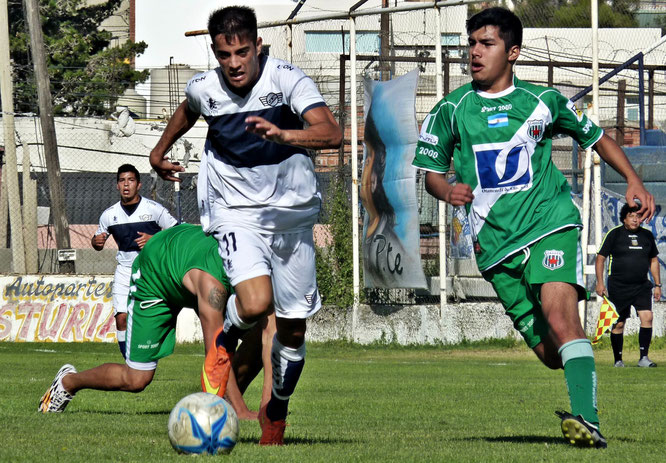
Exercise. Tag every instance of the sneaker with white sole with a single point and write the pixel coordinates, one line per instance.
(619, 364)
(645, 362)
(579, 432)
(56, 398)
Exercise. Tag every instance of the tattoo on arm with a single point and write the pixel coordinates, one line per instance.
(216, 299)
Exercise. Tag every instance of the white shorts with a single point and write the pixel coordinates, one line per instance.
(121, 280)
(288, 258)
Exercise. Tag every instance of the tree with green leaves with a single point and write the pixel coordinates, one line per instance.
(575, 13)
(87, 75)
(568, 13)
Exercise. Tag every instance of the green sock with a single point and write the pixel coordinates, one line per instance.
(581, 379)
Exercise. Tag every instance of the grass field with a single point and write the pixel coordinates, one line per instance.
(473, 403)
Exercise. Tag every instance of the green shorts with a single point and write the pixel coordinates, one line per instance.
(151, 330)
(517, 280)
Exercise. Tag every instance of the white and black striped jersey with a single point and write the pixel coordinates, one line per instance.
(124, 223)
(244, 179)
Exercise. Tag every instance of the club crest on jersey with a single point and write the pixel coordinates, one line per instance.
(212, 104)
(553, 259)
(272, 99)
(146, 217)
(535, 128)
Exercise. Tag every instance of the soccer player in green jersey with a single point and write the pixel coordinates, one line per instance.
(179, 267)
(497, 131)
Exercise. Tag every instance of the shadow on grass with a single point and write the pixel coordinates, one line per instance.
(302, 440)
(522, 439)
(119, 412)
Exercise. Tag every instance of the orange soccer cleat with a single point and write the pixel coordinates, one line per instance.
(272, 432)
(215, 370)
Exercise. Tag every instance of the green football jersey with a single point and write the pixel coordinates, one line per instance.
(167, 257)
(500, 145)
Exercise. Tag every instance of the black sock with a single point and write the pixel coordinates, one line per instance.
(229, 337)
(617, 340)
(644, 339)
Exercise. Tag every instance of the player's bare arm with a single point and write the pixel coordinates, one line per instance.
(98, 241)
(438, 186)
(181, 121)
(599, 270)
(211, 299)
(615, 157)
(323, 131)
(217, 298)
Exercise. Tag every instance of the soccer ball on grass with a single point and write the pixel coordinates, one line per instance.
(203, 423)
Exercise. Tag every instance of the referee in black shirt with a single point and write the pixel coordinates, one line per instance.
(633, 251)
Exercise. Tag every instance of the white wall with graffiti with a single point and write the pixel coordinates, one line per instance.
(56, 309)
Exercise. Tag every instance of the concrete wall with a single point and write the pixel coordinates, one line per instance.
(419, 324)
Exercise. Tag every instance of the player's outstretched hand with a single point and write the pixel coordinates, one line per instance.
(266, 130)
(636, 191)
(167, 169)
(459, 195)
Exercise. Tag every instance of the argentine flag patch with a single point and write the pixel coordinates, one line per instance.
(498, 120)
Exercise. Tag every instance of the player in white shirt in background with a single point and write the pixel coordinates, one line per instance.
(132, 221)
(258, 194)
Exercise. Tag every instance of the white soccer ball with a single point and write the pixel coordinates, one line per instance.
(203, 423)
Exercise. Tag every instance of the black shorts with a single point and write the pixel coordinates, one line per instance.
(625, 296)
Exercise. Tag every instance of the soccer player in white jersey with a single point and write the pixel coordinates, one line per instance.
(497, 130)
(132, 221)
(258, 194)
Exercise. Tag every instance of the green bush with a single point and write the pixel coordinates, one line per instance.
(335, 274)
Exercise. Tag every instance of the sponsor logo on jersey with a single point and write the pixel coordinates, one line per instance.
(535, 129)
(587, 127)
(498, 120)
(577, 112)
(272, 99)
(553, 259)
(288, 67)
(212, 104)
(146, 217)
(428, 138)
(503, 168)
(198, 79)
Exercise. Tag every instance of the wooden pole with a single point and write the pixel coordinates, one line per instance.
(4, 207)
(11, 175)
(384, 46)
(58, 212)
(29, 214)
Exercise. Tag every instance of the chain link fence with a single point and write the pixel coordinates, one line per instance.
(91, 149)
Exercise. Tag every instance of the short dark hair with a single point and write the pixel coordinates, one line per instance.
(626, 209)
(128, 168)
(510, 27)
(233, 21)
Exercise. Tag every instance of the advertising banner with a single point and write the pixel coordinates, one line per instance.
(391, 246)
(56, 308)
